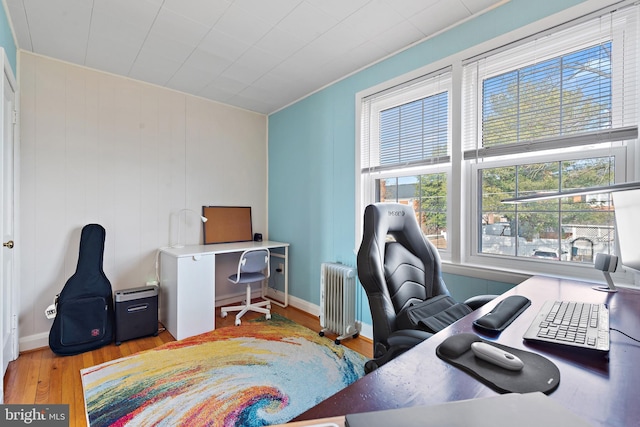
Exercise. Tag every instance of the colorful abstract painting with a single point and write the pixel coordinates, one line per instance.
(259, 373)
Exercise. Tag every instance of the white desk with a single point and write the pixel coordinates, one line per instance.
(187, 284)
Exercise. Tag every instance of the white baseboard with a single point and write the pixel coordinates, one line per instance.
(366, 330)
(32, 342)
(40, 340)
(305, 306)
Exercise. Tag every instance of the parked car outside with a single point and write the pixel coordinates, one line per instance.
(547, 253)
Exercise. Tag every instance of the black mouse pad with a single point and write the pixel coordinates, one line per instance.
(538, 373)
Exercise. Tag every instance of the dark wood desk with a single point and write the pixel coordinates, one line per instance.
(602, 390)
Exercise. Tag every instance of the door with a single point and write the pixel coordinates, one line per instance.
(8, 296)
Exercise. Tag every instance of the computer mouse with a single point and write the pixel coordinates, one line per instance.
(497, 356)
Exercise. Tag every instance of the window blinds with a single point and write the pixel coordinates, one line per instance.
(567, 87)
(407, 125)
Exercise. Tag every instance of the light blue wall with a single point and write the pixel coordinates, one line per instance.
(6, 39)
(312, 151)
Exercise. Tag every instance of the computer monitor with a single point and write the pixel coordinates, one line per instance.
(627, 216)
(226, 224)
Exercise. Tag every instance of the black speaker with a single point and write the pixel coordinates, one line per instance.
(257, 237)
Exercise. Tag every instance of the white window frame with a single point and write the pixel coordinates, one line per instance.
(523, 264)
(611, 140)
(580, 36)
(427, 85)
(424, 90)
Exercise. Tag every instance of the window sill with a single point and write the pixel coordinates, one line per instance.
(482, 272)
(623, 277)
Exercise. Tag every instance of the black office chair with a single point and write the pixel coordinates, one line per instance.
(399, 269)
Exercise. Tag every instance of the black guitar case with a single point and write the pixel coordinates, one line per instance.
(85, 315)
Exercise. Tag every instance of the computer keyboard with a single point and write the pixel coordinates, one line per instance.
(571, 323)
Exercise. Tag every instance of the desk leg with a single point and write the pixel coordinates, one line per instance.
(286, 276)
(286, 280)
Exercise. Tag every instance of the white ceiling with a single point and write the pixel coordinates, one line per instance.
(260, 55)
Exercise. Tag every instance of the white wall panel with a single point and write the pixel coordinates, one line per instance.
(27, 186)
(129, 156)
(49, 170)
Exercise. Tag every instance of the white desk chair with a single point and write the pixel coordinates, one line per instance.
(251, 268)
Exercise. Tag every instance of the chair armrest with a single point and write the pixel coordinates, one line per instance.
(398, 341)
(407, 337)
(479, 300)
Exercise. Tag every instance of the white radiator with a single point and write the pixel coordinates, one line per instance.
(338, 300)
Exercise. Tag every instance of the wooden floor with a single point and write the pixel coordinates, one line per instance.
(41, 377)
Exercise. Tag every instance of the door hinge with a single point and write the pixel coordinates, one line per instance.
(14, 117)
(14, 322)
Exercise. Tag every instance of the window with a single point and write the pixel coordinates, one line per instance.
(552, 114)
(569, 229)
(552, 111)
(405, 150)
(428, 196)
(567, 94)
(415, 131)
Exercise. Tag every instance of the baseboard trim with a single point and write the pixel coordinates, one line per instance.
(366, 330)
(38, 341)
(33, 342)
(305, 306)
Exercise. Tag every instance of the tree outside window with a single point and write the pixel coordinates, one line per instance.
(566, 95)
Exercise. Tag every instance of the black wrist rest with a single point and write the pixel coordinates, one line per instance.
(503, 314)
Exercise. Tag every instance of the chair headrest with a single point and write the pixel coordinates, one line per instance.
(392, 216)
(395, 219)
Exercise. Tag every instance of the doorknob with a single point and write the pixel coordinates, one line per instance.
(8, 244)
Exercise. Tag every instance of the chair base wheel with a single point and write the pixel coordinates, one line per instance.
(238, 322)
